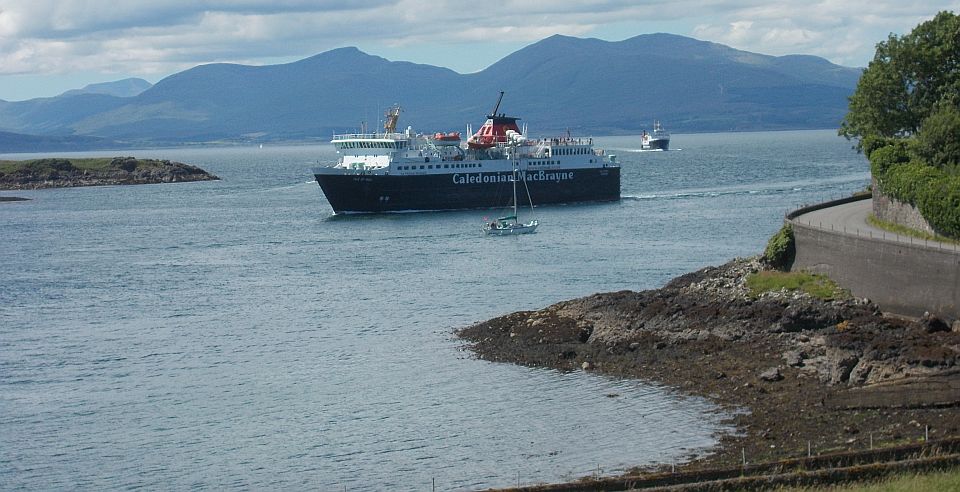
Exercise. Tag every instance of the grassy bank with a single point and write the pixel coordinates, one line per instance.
(923, 482)
(906, 231)
(818, 286)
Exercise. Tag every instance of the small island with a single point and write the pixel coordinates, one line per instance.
(69, 172)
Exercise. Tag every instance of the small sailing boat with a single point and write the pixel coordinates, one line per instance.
(510, 224)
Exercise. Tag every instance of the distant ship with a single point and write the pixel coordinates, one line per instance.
(401, 171)
(658, 140)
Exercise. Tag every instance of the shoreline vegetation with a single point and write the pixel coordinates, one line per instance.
(70, 172)
(801, 374)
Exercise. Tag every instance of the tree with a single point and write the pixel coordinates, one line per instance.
(938, 140)
(907, 78)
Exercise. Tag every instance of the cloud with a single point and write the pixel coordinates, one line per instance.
(843, 31)
(165, 36)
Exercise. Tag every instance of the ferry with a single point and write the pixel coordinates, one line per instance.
(658, 140)
(393, 171)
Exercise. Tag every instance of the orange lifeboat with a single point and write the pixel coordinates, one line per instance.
(452, 138)
(447, 137)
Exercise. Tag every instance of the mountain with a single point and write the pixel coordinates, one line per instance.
(120, 88)
(15, 142)
(557, 84)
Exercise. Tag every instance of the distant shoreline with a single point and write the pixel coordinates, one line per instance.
(38, 174)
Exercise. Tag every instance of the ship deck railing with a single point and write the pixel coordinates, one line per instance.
(370, 136)
(568, 141)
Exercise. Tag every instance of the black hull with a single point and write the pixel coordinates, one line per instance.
(658, 144)
(354, 192)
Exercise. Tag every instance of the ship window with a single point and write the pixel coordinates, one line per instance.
(430, 166)
(446, 166)
(421, 167)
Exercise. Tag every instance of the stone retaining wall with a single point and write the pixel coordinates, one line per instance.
(902, 278)
(889, 209)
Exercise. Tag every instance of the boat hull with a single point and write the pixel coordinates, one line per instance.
(357, 192)
(511, 230)
(657, 144)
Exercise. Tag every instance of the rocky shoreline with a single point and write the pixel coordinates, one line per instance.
(63, 173)
(814, 376)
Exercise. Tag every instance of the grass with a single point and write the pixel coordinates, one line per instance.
(906, 231)
(949, 480)
(819, 286)
(91, 163)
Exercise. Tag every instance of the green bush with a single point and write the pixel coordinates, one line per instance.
(934, 191)
(780, 250)
(883, 158)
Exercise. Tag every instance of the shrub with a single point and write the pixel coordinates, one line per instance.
(892, 154)
(780, 250)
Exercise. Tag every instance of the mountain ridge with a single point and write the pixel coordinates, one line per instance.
(558, 83)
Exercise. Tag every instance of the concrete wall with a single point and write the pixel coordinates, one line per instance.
(902, 278)
(897, 212)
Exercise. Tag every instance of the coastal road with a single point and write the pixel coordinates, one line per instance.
(851, 218)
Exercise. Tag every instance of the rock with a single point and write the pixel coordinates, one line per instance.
(933, 324)
(772, 374)
(634, 346)
(794, 358)
(956, 326)
(585, 366)
(840, 366)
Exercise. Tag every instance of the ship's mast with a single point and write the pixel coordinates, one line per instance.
(497, 107)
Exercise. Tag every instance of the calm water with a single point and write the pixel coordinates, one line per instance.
(235, 334)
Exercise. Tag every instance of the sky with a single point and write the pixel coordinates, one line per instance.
(50, 46)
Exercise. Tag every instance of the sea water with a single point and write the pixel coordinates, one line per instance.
(236, 334)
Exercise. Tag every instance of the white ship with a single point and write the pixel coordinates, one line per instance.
(399, 171)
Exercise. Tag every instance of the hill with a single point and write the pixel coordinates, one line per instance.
(560, 83)
(120, 88)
